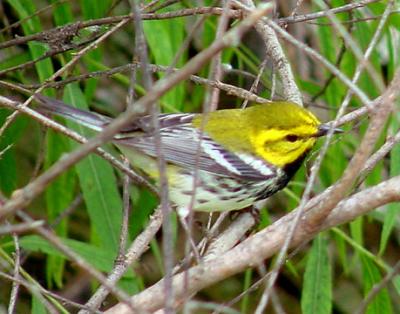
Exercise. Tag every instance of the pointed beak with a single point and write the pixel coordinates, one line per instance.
(324, 128)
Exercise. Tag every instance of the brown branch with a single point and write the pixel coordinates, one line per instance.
(62, 70)
(19, 228)
(275, 52)
(266, 243)
(176, 14)
(316, 15)
(227, 88)
(77, 26)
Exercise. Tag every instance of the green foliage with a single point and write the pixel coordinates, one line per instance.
(64, 185)
(371, 276)
(316, 295)
(99, 185)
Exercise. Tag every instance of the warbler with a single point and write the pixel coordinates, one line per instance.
(236, 156)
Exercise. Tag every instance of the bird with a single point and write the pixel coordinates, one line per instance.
(218, 161)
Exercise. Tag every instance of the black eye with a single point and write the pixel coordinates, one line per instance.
(291, 138)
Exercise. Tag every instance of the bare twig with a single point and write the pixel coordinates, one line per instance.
(380, 114)
(316, 15)
(37, 13)
(355, 48)
(275, 52)
(211, 100)
(379, 155)
(123, 239)
(63, 69)
(19, 228)
(65, 213)
(231, 236)
(229, 89)
(117, 19)
(312, 53)
(16, 274)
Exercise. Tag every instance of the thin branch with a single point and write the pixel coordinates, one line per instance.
(211, 99)
(275, 52)
(229, 89)
(117, 19)
(137, 248)
(316, 15)
(355, 47)
(181, 13)
(58, 244)
(37, 13)
(312, 53)
(16, 274)
(36, 289)
(20, 228)
(231, 236)
(124, 233)
(62, 70)
(379, 155)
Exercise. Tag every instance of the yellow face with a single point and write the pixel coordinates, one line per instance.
(279, 132)
(281, 147)
(290, 136)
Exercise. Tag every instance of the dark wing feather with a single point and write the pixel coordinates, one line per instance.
(166, 120)
(179, 146)
(180, 141)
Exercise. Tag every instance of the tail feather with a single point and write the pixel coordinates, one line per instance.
(89, 119)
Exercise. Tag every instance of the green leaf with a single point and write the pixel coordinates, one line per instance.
(164, 39)
(59, 195)
(371, 275)
(356, 228)
(93, 9)
(143, 204)
(316, 297)
(245, 304)
(396, 284)
(341, 249)
(98, 257)
(329, 43)
(8, 156)
(37, 306)
(32, 25)
(62, 13)
(98, 183)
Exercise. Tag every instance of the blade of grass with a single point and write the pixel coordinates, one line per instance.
(316, 296)
(98, 183)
